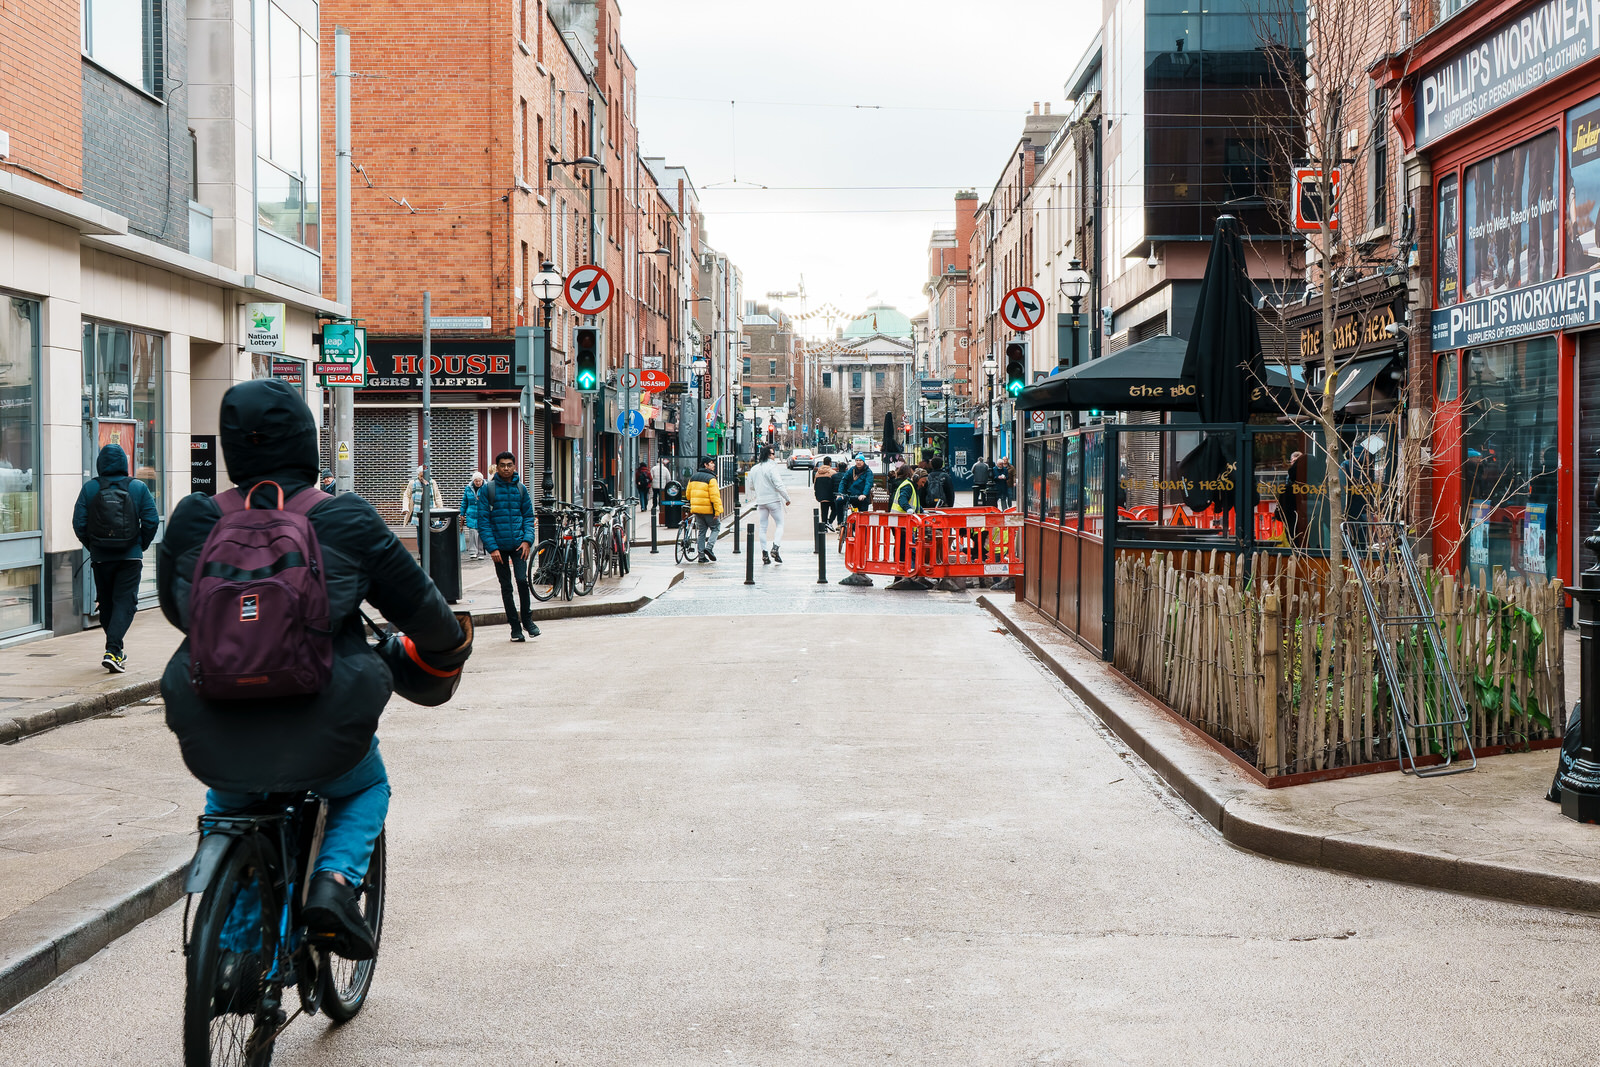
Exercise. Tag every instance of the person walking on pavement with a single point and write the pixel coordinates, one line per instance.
(412, 501)
(941, 490)
(980, 482)
(469, 516)
(642, 485)
(660, 475)
(116, 519)
(705, 504)
(1002, 482)
(507, 528)
(326, 483)
(825, 486)
(765, 485)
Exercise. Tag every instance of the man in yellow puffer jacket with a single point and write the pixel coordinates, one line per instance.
(705, 504)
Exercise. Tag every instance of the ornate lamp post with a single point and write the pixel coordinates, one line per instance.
(1580, 783)
(990, 365)
(1074, 286)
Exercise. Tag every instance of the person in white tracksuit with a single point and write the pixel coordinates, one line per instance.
(764, 483)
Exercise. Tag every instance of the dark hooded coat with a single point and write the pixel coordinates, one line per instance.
(112, 466)
(293, 743)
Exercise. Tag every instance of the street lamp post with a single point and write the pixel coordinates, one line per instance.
(546, 286)
(698, 365)
(1074, 286)
(1580, 782)
(990, 365)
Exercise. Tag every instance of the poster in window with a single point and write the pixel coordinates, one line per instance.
(1534, 537)
(1478, 534)
(123, 434)
(1449, 242)
(1511, 209)
(1583, 186)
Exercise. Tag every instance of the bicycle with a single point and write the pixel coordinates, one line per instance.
(685, 550)
(564, 564)
(247, 944)
(620, 537)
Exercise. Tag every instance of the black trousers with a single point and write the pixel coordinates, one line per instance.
(512, 562)
(116, 587)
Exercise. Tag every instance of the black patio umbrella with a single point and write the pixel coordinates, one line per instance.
(1147, 376)
(891, 447)
(1223, 362)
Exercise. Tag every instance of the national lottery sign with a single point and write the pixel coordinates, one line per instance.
(1562, 304)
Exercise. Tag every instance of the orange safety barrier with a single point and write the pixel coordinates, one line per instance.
(881, 542)
(948, 543)
(971, 543)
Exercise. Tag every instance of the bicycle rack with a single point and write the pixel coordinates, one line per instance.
(1427, 701)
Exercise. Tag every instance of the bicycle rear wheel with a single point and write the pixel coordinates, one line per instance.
(347, 981)
(231, 950)
(544, 570)
(588, 567)
(624, 564)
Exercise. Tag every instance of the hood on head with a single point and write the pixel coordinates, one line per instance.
(268, 432)
(112, 460)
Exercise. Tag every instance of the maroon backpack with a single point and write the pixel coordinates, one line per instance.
(258, 611)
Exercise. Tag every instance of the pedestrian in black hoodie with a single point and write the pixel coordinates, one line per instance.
(325, 741)
(116, 519)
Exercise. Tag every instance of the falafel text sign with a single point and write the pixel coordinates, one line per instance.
(480, 365)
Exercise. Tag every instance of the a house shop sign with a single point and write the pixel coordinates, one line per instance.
(1564, 304)
(455, 364)
(1546, 42)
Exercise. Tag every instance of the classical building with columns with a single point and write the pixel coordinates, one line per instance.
(865, 371)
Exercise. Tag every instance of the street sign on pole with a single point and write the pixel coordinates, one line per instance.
(589, 290)
(344, 355)
(459, 322)
(630, 423)
(1022, 309)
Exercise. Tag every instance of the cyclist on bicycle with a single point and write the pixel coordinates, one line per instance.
(705, 504)
(325, 742)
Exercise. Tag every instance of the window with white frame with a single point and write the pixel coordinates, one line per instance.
(124, 37)
(288, 181)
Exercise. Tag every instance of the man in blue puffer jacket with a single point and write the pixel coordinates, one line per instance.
(507, 527)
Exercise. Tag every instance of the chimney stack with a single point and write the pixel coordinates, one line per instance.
(1036, 107)
(1047, 107)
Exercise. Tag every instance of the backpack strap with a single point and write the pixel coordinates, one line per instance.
(306, 500)
(230, 502)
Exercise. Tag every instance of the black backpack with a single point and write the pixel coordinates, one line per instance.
(113, 517)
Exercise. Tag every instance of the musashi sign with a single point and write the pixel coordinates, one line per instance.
(1544, 43)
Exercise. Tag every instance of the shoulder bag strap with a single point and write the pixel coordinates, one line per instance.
(306, 500)
(230, 501)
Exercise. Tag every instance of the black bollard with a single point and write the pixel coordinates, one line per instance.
(750, 553)
(822, 556)
(653, 548)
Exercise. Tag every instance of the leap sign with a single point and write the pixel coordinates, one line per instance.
(589, 290)
(1022, 309)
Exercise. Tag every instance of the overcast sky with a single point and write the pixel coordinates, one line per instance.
(952, 81)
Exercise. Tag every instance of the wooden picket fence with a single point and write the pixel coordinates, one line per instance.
(1281, 667)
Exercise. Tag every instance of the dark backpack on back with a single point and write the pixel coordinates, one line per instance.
(258, 612)
(112, 516)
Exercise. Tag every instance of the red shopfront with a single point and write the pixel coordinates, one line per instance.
(1504, 107)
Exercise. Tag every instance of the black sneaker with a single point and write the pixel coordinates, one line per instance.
(711, 557)
(516, 635)
(765, 559)
(529, 627)
(775, 557)
(333, 920)
(114, 662)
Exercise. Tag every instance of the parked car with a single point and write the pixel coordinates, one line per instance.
(802, 459)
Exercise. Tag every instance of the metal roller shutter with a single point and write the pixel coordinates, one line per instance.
(385, 457)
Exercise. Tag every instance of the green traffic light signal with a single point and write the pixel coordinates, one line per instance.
(1016, 366)
(587, 342)
(1014, 387)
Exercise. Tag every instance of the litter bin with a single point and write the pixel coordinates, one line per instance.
(672, 504)
(444, 552)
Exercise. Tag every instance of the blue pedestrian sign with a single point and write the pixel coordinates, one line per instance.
(630, 423)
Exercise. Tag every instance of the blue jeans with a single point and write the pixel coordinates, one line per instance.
(358, 804)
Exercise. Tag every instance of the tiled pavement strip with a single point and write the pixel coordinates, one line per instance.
(95, 819)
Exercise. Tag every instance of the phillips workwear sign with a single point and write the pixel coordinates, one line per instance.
(1546, 42)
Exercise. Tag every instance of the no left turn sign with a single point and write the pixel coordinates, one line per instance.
(589, 290)
(1022, 309)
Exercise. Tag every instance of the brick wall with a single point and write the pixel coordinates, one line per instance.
(40, 99)
(136, 155)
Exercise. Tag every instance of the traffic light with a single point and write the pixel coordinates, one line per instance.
(1016, 366)
(587, 340)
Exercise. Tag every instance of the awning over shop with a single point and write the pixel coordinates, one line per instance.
(1147, 376)
(1357, 378)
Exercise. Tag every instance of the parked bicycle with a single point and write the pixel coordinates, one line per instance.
(566, 564)
(612, 536)
(247, 944)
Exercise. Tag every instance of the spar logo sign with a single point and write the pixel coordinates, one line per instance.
(1559, 305)
(1521, 56)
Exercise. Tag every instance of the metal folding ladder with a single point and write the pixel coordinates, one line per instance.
(1427, 701)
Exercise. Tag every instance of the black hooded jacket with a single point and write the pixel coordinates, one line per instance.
(293, 743)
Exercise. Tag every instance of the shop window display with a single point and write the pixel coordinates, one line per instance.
(1511, 456)
(19, 455)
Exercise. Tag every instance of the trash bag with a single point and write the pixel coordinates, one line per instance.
(1569, 751)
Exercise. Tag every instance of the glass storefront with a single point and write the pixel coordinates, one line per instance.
(1511, 455)
(122, 406)
(21, 543)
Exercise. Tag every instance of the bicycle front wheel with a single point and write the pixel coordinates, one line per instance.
(588, 568)
(347, 981)
(232, 946)
(544, 570)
